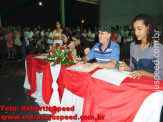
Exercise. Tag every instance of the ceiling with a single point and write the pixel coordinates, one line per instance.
(28, 11)
(89, 1)
(9, 5)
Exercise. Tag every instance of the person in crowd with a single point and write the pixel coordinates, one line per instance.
(124, 37)
(84, 34)
(143, 59)
(158, 28)
(120, 33)
(69, 29)
(90, 35)
(10, 43)
(106, 52)
(44, 41)
(128, 38)
(42, 34)
(73, 30)
(161, 38)
(35, 35)
(57, 33)
(43, 46)
(81, 45)
(26, 36)
(114, 35)
(49, 40)
(17, 42)
(38, 29)
(23, 47)
(39, 43)
(31, 41)
(78, 29)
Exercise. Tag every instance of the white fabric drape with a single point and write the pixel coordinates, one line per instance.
(69, 100)
(150, 110)
(26, 82)
(54, 101)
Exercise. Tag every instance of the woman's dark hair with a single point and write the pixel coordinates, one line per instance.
(147, 22)
(83, 43)
(77, 35)
(68, 34)
(60, 23)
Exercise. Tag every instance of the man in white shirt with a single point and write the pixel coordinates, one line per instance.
(49, 35)
(26, 36)
(90, 35)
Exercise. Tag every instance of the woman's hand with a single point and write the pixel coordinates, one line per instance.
(137, 74)
(77, 58)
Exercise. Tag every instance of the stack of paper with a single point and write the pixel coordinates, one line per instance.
(111, 75)
(79, 68)
(40, 57)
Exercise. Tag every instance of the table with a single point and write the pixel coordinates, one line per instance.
(127, 102)
(117, 103)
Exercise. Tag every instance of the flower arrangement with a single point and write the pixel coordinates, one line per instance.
(60, 55)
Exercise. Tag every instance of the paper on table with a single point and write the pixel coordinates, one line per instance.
(112, 76)
(79, 68)
(40, 57)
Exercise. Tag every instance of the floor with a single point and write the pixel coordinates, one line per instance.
(12, 93)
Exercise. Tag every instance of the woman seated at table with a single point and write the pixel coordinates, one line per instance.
(146, 53)
(81, 45)
(66, 38)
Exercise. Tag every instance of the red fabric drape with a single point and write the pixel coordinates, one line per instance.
(116, 103)
(39, 65)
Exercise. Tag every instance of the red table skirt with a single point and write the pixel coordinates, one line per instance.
(39, 65)
(116, 103)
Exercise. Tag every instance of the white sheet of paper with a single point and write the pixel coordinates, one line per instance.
(112, 76)
(79, 68)
(40, 57)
